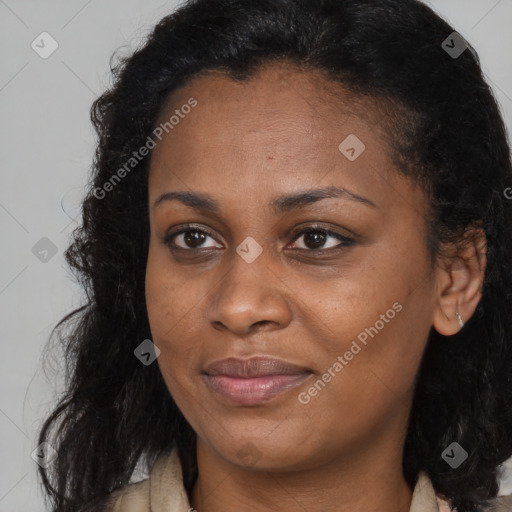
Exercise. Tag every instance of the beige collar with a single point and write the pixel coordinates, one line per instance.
(163, 491)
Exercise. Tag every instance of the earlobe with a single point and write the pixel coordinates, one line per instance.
(460, 282)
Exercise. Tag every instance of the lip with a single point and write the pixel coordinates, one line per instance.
(253, 381)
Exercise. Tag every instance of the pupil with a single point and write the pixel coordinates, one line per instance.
(195, 240)
(315, 239)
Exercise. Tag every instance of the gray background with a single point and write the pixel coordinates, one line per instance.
(46, 146)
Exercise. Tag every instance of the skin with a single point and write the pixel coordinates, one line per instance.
(245, 144)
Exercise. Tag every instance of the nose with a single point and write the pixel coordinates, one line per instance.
(250, 297)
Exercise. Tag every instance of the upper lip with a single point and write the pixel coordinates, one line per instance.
(253, 367)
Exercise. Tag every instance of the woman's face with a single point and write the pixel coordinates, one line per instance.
(349, 303)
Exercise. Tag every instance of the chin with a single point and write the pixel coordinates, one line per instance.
(274, 452)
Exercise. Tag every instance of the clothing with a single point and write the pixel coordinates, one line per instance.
(163, 491)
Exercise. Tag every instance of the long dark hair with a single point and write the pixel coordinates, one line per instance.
(447, 132)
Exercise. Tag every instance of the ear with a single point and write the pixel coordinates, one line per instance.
(460, 279)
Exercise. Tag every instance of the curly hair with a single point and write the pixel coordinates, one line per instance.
(446, 131)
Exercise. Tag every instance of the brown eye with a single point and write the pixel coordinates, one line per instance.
(189, 238)
(316, 238)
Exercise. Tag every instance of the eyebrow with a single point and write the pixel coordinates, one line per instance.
(282, 204)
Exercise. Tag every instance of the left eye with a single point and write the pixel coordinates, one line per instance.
(315, 238)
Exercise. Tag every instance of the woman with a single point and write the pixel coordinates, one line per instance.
(297, 252)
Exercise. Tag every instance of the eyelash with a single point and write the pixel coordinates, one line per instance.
(344, 240)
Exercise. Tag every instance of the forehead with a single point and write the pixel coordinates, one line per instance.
(277, 95)
(280, 129)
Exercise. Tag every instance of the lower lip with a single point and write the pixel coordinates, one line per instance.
(253, 391)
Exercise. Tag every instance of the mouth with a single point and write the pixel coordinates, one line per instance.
(253, 381)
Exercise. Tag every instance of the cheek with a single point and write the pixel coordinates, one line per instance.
(376, 315)
(168, 302)
(169, 298)
(166, 316)
(175, 306)
(172, 306)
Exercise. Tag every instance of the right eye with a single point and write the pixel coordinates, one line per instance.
(188, 238)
